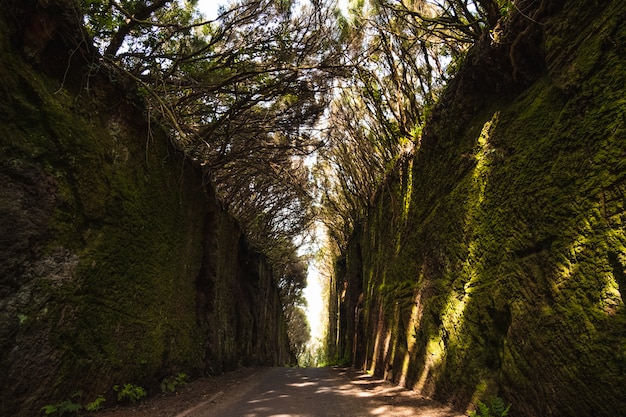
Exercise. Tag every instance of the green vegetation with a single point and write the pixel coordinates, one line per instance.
(130, 393)
(70, 407)
(172, 384)
(62, 408)
(480, 241)
(495, 408)
(96, 404)
(132, 259)
(506, 276)
(233, 96)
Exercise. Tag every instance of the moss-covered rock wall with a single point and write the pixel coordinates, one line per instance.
(117, 264)
(493, 262)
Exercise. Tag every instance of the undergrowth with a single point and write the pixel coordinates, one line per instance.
(496, 407)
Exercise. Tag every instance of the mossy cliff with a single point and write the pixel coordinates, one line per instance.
(117, 264)
(493, 261)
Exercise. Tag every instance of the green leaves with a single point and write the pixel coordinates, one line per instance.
(495, 408)
(96, 404)
(65, 407)
(130, 393)
(240, 95)
(400, 54)
(173, 383)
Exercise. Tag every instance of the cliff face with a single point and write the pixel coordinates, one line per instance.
(117, 265)
(493, 262)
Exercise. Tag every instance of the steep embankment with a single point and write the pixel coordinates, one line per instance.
(493, 262)
(117, 264)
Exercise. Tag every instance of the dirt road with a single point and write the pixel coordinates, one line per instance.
(298, 392)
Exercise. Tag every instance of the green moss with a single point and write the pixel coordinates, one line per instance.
(128, 311)
(513, 248)
(133, 271)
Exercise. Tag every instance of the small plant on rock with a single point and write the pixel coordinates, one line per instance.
(172, 384)
(96, 404)
(62, 408)
(129, 392)
(496, 408)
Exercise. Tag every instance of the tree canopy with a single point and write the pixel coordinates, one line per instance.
(294, 110)
(240, 94)
(399, 53)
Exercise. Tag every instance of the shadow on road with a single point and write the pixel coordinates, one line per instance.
(313, 392)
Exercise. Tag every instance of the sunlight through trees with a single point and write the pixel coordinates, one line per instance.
(251, 89)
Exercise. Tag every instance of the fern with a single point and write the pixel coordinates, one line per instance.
(67, 406)
(49, 409)
(131, 393)
(172, 384)
(96, 404)
(496, 408)
(499, 408)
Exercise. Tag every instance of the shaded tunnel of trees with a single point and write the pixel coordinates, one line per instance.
(458, 166)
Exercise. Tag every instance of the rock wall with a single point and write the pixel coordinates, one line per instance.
(493, 262)
(117, 264)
